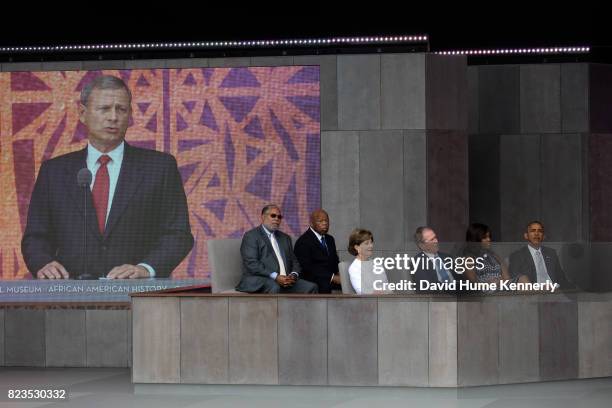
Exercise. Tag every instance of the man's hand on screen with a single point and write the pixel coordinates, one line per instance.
(128, 272)
(52, 270)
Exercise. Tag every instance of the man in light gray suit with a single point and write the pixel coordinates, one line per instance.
(538, 262)
(268, 262)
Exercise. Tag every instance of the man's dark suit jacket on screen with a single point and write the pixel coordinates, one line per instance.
(259, 259)
(318, 264)
(148, 221)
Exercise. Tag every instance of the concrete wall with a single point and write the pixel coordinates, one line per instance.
(539, 149)
(372, 341)
(38, 336)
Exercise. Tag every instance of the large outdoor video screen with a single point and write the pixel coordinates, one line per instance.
(242, 138)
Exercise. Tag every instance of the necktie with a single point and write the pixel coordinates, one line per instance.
(442, 274)
(542, 273)
(324, 243)
(281, 263)
(100, 192)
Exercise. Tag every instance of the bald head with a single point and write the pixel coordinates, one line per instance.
(319, 221)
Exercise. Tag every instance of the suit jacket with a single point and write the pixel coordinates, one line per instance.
(259, 259)
(427, 272)
(318, 263)
(521, 263)
(148, 221)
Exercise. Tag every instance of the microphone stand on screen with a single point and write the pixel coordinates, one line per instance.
(84, 178)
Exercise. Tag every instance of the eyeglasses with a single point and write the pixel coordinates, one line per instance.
(274, 215)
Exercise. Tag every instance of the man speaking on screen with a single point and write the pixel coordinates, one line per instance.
(110, 210)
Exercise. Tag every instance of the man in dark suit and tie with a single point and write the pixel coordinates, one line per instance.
(538, 262)
(431, 266)
(268, 262)
(316, 252)
(127, 218)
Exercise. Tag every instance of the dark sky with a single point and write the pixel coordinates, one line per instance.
(454, 28)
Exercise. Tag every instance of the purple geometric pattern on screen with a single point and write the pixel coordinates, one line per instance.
(180, 123)
(145, 144)
(230, 155)
(55, 137)
(261, 183)
(252, 153)
(290, 207)
(244, 213)
(306, 75)
(25, 113)
(207, 230)
(143, 106)
(236, 234)
(152, 123)
(80, 133)
(208, 118)
(239, 106)
(190, 80)
(255, 104)
(297, 124)
(187, 170)
(313, 171)
(125, 74)
(240, 78)
(217, 207)
(254, 128)
(184, 145)
(214, 181)
(15, 262)
(189, 105)
(310, 105)
(87, 78)
(166, 109)
(131, 121)
(27, 81)
(142, 81)
(285, 137)
(207, 74)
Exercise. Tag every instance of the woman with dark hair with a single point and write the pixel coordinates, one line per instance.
(478, 244)
(362, 277)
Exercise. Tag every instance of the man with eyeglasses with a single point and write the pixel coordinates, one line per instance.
(268, 262)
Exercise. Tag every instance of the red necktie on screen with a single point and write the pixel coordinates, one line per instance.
(100, 192)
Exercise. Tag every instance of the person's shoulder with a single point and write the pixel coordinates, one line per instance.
(520, 252)
(150, 155)
(304, 237)
(280, 234)
(64, 159)
(549, 251)
(253, 232)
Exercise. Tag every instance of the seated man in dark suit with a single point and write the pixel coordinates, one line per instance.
(268, 262)
(316, 252)
(538, 262)
(432, 270)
